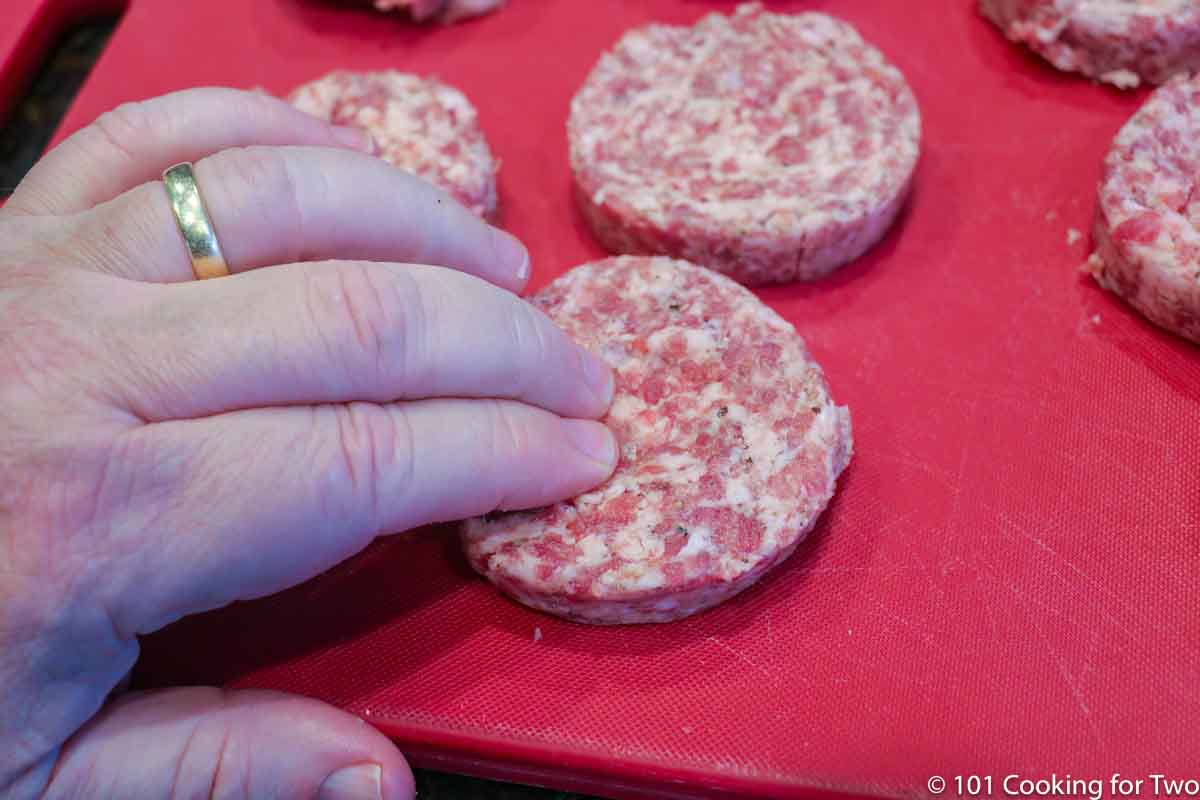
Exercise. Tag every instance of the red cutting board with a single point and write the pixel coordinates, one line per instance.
(1008, 581)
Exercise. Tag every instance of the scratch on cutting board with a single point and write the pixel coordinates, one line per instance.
(1073, 686)
(908, 460)
(835, 570)
(1009, 524)
(886, 570)
(986, 592)
(1064, 673)
(896, 521)
(1092, 584)
(1089, 656)
(917, 628)
(969, 392)
(1013, 526)
(738, 654)
(836, 651)
(1157, 493)
(963, 454)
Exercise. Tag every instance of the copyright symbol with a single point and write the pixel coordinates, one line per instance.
(936, 784)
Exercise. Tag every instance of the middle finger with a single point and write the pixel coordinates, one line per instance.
(345, 331)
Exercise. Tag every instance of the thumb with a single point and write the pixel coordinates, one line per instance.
(202, 742)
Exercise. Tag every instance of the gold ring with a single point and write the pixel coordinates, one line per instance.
(194, 224)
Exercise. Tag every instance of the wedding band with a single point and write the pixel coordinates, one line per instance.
(194, 224)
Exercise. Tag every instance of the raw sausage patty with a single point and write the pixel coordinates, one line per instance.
(770, 147)
(420, 124)
(730, 449)
(444, 10)
(1121, 42)
(1147, 229)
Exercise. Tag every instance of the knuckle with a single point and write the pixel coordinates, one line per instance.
(367, 321)
(364, 308)
(530, 336)
(248, 103)
(261, 168)
(508, 441)
(371, 442)
(208, 763)
(508, 438)
(260, 181)
(127, 127)
(533, 345)
(229, 777)
(416, 325)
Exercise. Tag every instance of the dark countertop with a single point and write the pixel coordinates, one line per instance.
(22, 140)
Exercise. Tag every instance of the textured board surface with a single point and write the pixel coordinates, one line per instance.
(1008, 580)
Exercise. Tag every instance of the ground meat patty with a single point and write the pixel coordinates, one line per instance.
(1120, 42)
(730, 449)
(1147, 229)
(420, 10)
(445, 10)
(420, 124)
(771, 147)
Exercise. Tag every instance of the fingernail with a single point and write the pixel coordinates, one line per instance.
(356, 138)
(360, 782)
(598, 375)
(594, 440)
(512, 255)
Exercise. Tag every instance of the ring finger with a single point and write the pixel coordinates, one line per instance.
(272, 205)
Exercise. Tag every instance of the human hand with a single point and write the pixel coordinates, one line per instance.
(169, 446)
